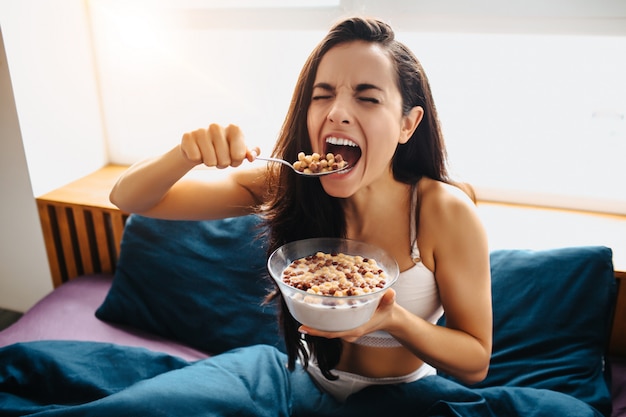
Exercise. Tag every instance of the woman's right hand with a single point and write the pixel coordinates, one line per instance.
(216, 146)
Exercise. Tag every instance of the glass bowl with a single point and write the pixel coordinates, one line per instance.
(329, 312)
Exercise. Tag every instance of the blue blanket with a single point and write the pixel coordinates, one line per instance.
(62, 378)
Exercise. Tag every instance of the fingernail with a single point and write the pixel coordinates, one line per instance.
(303, 331)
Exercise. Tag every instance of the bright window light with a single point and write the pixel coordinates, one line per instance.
(261, 4)
(238, 4)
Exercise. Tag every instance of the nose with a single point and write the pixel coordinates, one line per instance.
(339, 112)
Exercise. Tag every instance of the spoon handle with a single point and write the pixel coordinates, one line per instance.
(281, 161)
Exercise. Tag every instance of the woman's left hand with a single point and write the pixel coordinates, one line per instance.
(376, 322)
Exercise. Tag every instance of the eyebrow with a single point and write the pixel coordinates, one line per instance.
(359, 88)
(365, 87)
(323, 86)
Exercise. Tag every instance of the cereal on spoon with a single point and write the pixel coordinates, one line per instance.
(316, 163)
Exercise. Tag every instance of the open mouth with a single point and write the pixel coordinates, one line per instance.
(350, 151)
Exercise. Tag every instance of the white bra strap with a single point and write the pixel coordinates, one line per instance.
(415, 252)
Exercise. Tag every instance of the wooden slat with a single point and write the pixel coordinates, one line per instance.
(51, 248)
(67, 247)
(118, 220)
(84, 246)
(100, 227)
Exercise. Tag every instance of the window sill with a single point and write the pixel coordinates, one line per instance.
(532, 227)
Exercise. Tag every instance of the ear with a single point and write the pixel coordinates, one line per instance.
(410, 123)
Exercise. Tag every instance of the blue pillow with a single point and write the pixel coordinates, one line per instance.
(552, 313)
(199, 282)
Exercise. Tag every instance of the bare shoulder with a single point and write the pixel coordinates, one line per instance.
(439, 198)
(455, 237)
(448, 218)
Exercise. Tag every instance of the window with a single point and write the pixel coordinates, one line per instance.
(533, 105)
(535, 119)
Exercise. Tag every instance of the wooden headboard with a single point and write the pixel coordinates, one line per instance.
(82, 230)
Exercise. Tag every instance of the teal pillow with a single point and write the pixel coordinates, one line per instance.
(200, 282)
(552, 315)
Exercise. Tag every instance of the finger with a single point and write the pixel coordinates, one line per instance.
(313, 332)
(190, 146)
(236, 145)
(200, 140)
(328, 335)
(388, 298)
(251, 154)
(218, 144)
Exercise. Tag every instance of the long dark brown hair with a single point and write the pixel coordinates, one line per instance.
(299, 208)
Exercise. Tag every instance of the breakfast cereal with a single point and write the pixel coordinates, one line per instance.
(335, 275)
(316, 163)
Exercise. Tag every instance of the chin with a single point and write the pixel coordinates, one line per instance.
(337, 189)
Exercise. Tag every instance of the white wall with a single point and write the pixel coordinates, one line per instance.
(48, 45)
(24, 272)
(55, 123)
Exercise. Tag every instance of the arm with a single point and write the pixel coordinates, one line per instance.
(460, 255)
(154, 187)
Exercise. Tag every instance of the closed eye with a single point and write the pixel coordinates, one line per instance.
(369, 100)
(321, 97)
(322, 91)
(363, 89)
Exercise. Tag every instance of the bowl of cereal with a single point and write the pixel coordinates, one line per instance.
(332, 284)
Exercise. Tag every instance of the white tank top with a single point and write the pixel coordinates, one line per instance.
(416, 290)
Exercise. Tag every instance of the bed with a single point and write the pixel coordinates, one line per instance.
(188, 294)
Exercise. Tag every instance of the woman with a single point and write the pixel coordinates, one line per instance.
(365, 96)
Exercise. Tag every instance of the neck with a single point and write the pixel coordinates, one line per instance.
(369, 211)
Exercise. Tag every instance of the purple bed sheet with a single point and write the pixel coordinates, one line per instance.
(618, 386)
(68, 313)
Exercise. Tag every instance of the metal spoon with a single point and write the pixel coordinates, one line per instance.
(290, 165)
